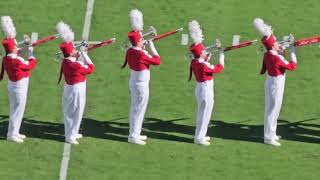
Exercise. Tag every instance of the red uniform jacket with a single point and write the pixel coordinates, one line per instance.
(75, 71)
(275, 64)
(139, 60)
(16, 67)
(203, 70)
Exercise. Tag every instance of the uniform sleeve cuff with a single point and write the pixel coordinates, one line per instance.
(32, 57)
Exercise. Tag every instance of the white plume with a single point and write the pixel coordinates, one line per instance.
(8, 27)
(263, 28)
(136, 20)
(195, 31)
(65, 31)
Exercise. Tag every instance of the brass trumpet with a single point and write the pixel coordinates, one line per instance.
(151, 32)
(58, 55)
(23, 46)
(26, 41)
(286, 42)
(214, 47)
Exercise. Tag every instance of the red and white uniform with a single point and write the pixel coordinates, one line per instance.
(204, 92)
(275, 65)
(17, 68)
(74, 92)
(18, 71)
(75, 71)
(139, 59)
(139, 62)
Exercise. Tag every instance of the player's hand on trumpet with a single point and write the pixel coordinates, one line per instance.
(152, 48)
(221, 52)
(30, 51)
(292, 46)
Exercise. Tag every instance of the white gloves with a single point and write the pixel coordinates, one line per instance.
(292, 49)
(83, 48)
(86, 58)
(293, 54)
(30, 50)
(152, 48)
(221, 58)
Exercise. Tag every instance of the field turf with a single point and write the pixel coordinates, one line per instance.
(237, 150)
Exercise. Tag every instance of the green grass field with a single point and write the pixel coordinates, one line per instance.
(237, 151)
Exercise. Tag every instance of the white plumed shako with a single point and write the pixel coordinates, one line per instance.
(136, 20)
(263, 28)
(8, 27)
(65, 31)
(195, 32)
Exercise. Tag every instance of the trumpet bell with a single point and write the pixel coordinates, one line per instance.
(285, 42)
(23, 46)
(26, 41)
(151, 32)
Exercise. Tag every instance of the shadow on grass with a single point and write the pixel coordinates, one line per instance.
(170, 130)
(301, 131)
(118, 131)
(109, 129)
(35, 129)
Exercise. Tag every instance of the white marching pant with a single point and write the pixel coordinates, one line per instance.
(74, 100)
(18, 98)
(205, 99)
(274, 89)
(139, 88)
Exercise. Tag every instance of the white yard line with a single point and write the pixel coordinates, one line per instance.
(65, 161)
(67, 147)
(87, 20)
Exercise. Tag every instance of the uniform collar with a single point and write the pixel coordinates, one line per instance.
(137, 48)
(274, 52)
(201, 60)
(72, 59)
(12, 55)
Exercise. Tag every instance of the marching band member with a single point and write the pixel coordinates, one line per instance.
(203, 72)
(275, 65)
(139, 61)
(75, 66)
(18, 71)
